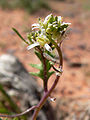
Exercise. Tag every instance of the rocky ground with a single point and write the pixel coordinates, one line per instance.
(73, 90)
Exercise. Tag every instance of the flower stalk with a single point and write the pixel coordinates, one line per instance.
(47, 93)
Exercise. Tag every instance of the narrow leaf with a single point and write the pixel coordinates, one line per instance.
(16, 118)
(19, 35)
(6, 119)
(37, 66)
(37, 74)
(48, 65)
(38, 55)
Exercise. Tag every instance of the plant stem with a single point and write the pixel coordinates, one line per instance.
(20, 114)
(45, 80)
(44, 98)
(45, 73)
(59, 52)
(47, 94)
(60, 56)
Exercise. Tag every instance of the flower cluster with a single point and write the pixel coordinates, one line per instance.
(44, 32)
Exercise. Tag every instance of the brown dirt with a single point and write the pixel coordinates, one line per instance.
(75, 81)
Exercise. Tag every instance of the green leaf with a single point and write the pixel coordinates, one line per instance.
(4, 110)
(38, 74)
(50, 54)
(41, 67)
(6, 119)
(37, 66)
(15, 118)
(19, 35)
(62, 27)
(38, 55)
(48, 65)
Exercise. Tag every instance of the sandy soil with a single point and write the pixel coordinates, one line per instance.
(75, 81)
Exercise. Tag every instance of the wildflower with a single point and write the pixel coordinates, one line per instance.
(50, 29)
(47, 18)
(59, 19)
(33, 45)
(42, 40)
(35, 25)
(48, 48)
(64, 23)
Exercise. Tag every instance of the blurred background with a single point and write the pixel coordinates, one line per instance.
(73, 90)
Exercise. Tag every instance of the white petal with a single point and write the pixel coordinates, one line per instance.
(64, 23)
(35, 28)
(48, 48)
(59, 19)
(44, 36)
(42, 31)
(46, 19)
(33, 45)
(35, 25)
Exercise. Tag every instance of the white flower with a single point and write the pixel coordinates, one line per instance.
(48, 48)
(46, 19)
(59, 19)
(64, 23)
(49, 25)
(33, 45)
(42, 32)
(35, 26)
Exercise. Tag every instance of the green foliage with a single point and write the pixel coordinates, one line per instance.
(19, 35)
(8, 98)
(15, 118)
(5, 98)
(6, 119)
(37, 66)
(4, 4)
(12, 118)
(3, 109)
(29, 5)
(38, 55)
(40, 67)
(33, 5)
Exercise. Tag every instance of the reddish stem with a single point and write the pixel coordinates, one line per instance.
(44, 98)
(47, 94)
(20, 114)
